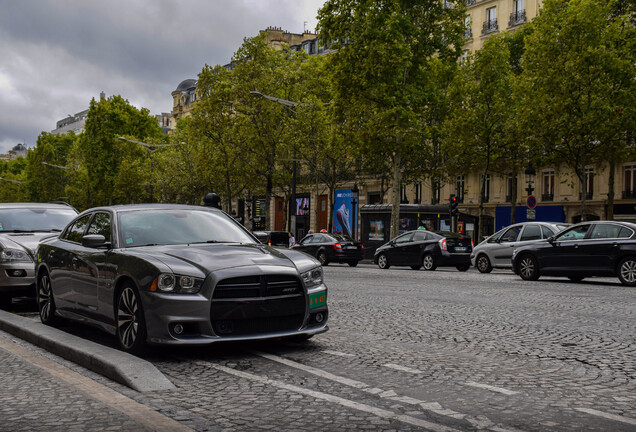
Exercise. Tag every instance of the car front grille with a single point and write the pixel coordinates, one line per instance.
(257, 305)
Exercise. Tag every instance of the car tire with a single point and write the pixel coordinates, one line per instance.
(46, 302)
(528, 267)
(5, 302)
(627, 271)
(131, 324)
(428, 262)
(416, 267)
(483, 264)
(352, 263)
(322, 257)
(575, 278)
(383, 261)
(463, 267)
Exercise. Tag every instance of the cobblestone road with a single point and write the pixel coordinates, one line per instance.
(415, 350)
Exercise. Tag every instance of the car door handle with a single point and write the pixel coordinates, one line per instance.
(576, 246)
(75, 262)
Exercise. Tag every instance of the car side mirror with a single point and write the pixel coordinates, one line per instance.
(551, 240)
(94, 241)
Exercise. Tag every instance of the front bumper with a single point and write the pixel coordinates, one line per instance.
(204, 318)
(17, 279)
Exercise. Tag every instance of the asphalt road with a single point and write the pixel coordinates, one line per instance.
(415, 350)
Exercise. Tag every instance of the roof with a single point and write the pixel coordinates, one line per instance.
(136, 207)
(185, 85)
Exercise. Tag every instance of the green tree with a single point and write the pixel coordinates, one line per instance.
(476, 133)
(46, 170)
(13, 180)
(382, 69)
(577, 85)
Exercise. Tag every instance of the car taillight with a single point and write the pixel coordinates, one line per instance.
(442, 244)
(269, 242)
(362, 246)
(472, 243)
(337, 246)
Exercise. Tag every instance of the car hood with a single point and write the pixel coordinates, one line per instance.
(208, 258)
(27, 241)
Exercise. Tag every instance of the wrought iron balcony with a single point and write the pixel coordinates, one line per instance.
(489, 26)
(629, 194)
(547, 197)
(517, 18)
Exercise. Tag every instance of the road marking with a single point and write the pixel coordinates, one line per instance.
(384, 394)
(339, 354)
(492, 388)
(140, 413)
(379, 412)
(609, 416)
(402, 368)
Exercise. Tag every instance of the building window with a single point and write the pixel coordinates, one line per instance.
(490, 25)
(403, 197)
(518, 16)
(418, 193)
(437, 191)
(547, 186)
(486, 188)
(468, 30)
(511, 184)
(374, 198)
(629, 181)
(589, 184)
(459, 188)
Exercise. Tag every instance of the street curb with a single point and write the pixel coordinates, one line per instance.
(124, 368)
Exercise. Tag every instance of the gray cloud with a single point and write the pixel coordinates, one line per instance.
(57, 55)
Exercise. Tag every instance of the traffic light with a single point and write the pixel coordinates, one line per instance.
(452, 205)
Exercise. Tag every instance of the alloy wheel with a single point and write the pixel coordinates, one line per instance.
(528, 268)
(127, 317)
(45, 299)
(628, 271)
(383, 262)
(483, 264)
(428, 262)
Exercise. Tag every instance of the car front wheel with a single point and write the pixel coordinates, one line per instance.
(322, 257)
(528, 268)
(46, 303)
(131, 325)
(352, 263)
(463, 267)
(383, 262)
(428, 262)
(483, 264)
(627, 271)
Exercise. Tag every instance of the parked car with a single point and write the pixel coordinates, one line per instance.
(328, 248)
(428, 249)
(22, 226)
(599, 248)
(175, 274)
(273, 238)
(496, 251)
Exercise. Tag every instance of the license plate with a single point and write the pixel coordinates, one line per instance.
(460, 249)
(317, 299)
(351, 247)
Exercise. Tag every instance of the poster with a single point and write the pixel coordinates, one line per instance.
(376, 230)
(344, 218)
(301, 205)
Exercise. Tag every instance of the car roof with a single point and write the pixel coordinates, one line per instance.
(30, 205)
(136, 207)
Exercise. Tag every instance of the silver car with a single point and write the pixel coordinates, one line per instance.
(22, 226)
(496, 251)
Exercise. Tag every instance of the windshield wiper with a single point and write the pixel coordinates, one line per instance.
(19, 231)
(208, 241)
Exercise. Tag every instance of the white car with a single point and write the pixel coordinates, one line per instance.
(496, 251)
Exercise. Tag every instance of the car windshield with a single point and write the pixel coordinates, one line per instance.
(182, 226)
(35, 219)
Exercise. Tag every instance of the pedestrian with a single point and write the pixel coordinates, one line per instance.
(292, 240)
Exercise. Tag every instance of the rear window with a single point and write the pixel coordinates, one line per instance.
(341, 238)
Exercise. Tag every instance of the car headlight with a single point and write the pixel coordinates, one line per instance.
(14, 255)
(313, 277)
(168, 282)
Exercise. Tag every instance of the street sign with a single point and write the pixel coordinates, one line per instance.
(531, 214)
(531, 202)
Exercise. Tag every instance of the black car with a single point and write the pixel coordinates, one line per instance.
(273, 238)
(173, 274)
(599, 248)
(428, 249)
(329, 248)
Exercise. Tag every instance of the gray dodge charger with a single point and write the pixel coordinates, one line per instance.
(173, 274)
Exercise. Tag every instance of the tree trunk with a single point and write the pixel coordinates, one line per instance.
(581, 175)
(609, 215)
(482, 197)
(513, 198)
(395, 210)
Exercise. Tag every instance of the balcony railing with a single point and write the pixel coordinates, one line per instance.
(517, 18)
(547, 197)
(588, 195)
(489, 26)
(629, 194)
(468, 33)
(470, 2)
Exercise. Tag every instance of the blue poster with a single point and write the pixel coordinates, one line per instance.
(344, 218)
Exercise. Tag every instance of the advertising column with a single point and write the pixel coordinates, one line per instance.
(344, 218)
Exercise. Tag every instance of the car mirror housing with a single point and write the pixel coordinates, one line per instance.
(94, 241)
(551, 240)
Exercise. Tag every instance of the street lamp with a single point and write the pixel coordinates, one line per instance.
(530, 174)
(151, 148)
(354, 197)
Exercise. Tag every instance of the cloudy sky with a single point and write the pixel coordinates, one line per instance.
(55, 55)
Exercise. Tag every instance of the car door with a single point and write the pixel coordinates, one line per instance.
(531, 233)
(501, 251)
(84, 274)
(413, 249)
(599, 252)
(398, 253)
(305, 245)
(564, 255)
(64, 279)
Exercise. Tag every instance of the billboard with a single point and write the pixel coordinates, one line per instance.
(301, 205)
(344, 218)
